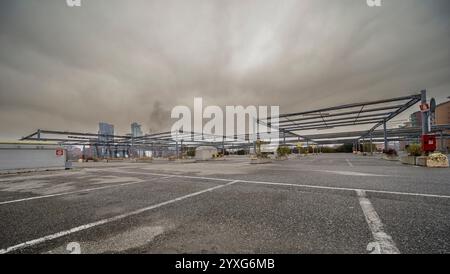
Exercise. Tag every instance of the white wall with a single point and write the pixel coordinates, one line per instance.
(30, 157)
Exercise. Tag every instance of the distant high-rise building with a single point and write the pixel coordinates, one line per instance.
(416, 119)
(105, 131)
(105, 138)
(136, 130)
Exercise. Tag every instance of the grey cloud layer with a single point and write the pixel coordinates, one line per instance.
(124, 61)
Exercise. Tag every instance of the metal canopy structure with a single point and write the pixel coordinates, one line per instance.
(170, 142)
(291, 128)
(394, 134)
(376, 113)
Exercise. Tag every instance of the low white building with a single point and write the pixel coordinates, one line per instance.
(23, 155)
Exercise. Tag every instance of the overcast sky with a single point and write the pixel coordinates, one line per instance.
(124, 61)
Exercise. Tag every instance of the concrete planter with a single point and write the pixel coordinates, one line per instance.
(390, 157)
(259, 161)
(408, 160)
(144, 160)
(185, 161)
(219, 159)
(281, 158)
(441, 162)
(421, 161)
(425, 161)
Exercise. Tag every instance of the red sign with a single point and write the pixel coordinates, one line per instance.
(428, 143)
(59, 152)
(424, 107)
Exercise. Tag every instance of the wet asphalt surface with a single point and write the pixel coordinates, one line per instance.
(304, 205)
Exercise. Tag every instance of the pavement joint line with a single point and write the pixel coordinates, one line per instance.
(349, 163)
(79, 191)
(107, 220)
(298, 185)
(21, 177)
(352, 173)
(383, 242)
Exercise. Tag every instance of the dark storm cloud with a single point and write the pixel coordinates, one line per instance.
(125, 61)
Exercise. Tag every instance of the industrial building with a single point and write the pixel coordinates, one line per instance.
(443, 118)
(416, 119)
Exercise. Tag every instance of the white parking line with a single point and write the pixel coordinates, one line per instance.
(349, 163)
(173, 175)
(105, 221)
(351, 173)
(349, 189)
(384, 242)
(295, 185)
(78, 191)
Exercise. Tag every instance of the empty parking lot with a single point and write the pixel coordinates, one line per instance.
(329, 203)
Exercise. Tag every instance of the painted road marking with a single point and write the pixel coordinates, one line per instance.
(351, 173)
(173, 175)
(349, 163)
(349, 189)
(78, 191)
(108, 220)
(383, 241)
(293, 185)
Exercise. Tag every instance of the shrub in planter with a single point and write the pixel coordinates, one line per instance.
(191, 152)
(414, 150)
(283, 151)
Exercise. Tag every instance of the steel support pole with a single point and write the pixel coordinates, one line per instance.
(371, 144)
(386, 145)
(425, 115)
(223, 145)
(181, 148)
(445, 145)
